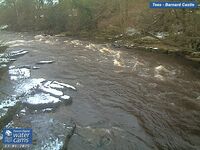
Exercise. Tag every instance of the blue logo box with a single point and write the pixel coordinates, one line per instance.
(17, 136)
(177, 4)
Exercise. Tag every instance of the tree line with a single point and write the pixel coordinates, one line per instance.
(92, 15)
(60, 15)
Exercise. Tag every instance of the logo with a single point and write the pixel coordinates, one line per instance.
(8, 133)
(174, 4)
(17, 138)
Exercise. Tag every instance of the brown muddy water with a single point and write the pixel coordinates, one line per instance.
(124, 99)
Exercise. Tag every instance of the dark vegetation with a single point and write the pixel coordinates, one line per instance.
(104, 19)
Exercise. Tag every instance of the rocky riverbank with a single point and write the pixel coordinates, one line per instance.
(151, 44)
(32, 97)
(133, 39)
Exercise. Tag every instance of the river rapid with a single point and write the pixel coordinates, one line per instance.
(124, 99)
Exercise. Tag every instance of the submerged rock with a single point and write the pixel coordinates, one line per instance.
(26, 66)
(70, 133)
(106, 138)
(65, 97)
(49, 133)
(13, 59)
(41, 93)
(22, 112)
(3, 66)
(51, 91)
(41, 101)
(47, 110)
(17, 53)
(30, 67)
(45, 62)
(65, 85)
(4, 60)
(56, 86)
(35, 67)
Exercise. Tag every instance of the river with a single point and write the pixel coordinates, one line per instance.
(125, 99)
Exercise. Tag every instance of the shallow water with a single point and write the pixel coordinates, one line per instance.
(124, 99)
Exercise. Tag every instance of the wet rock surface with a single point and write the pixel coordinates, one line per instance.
(135, 40)
(37, 93)
(6, 58)
(105, 138)
(46, 94)
(50, 133)
(33, 96)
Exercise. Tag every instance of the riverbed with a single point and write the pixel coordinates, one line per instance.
(124, 99)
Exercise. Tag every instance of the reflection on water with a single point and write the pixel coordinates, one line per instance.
(124, 99)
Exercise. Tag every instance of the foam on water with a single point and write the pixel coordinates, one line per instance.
(47, 110)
